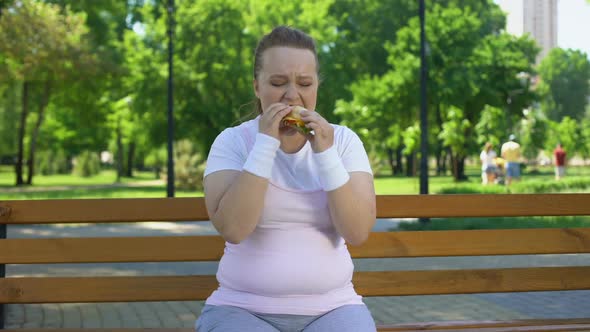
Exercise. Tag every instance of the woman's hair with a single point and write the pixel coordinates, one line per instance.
(488, 146)
(282, 36)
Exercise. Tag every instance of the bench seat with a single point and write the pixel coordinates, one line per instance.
(82, 289)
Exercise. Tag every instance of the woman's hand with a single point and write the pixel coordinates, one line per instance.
(271, 119)
(323, 132)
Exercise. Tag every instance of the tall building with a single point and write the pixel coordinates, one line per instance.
(536, 17)
(540, 20)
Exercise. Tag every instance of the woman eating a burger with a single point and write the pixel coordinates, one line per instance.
(288, 191)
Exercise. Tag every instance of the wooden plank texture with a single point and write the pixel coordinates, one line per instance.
(474, 243)
(488, 205)
(379, 245)
(103, 210)
(388, 283)
(382, 283)
(111, 249)
(388, 206)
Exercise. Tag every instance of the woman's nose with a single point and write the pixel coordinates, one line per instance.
(291, 93)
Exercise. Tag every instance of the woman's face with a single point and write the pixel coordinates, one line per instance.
(288, 75)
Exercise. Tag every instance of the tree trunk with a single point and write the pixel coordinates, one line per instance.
(43, 102)
(391, 161)
(119, 151)
(461, 169)
(130, 158)
(399, 161)
(21, 135)
(439, 148)
(410, 165)
(458, 168)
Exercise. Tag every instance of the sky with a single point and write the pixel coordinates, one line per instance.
(573, 22)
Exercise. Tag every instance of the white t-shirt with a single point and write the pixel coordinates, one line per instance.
(294, 262)
(487, 159)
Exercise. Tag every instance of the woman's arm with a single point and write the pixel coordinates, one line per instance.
(234, 202)
(234, 198)
(352, 208)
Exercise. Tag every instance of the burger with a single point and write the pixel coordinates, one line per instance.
(293, 120)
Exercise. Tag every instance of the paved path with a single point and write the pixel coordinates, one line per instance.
(572, 304)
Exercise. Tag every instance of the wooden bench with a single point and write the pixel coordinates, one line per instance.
(371, 283)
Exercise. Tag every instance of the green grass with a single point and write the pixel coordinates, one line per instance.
(102, 185)
(7, 178)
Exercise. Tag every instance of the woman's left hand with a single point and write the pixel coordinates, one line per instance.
(323, 132)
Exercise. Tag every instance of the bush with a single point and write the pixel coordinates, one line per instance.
(528, 186)
(189, 166)
(49, 163)
(87, 164)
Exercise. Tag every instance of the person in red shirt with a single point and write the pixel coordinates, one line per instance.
(559, 161)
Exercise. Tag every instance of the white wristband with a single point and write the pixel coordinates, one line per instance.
(262, 157)
(333, 175)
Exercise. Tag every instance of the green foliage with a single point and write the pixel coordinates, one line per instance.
(584, 142)
(86, 164)
(156, 160)
(52, 162)
(533, 134)
(491, 126)
(454, 131)
(535, 186)
(189, 166)
(565, 132)
(565, 83)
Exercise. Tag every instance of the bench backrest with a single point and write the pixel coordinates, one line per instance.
(210, 248)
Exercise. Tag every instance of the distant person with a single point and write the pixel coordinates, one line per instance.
(559, 161)
(488, 164)
(511, 153)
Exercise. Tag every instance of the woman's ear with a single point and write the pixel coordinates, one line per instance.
(255, 85)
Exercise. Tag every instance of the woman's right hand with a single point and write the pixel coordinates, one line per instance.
(270, 120)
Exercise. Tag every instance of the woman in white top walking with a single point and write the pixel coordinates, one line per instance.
(488, 164)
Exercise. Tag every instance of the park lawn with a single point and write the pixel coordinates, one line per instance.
(7, 178)
(143, 184)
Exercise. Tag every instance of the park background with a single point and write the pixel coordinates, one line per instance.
(83, 102)
(83, 88)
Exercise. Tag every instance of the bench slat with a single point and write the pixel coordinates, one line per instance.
(387, 283)
(379, 245)
(54, 211)
(474, 243)
(388, 206)
(111, 249)
(382, 283)
(484, 205)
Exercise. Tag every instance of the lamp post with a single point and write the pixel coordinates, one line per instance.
(423, 106)
(170, 184)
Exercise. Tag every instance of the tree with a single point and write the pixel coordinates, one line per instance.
(565, 83)
(465, 49)
(43, 45)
